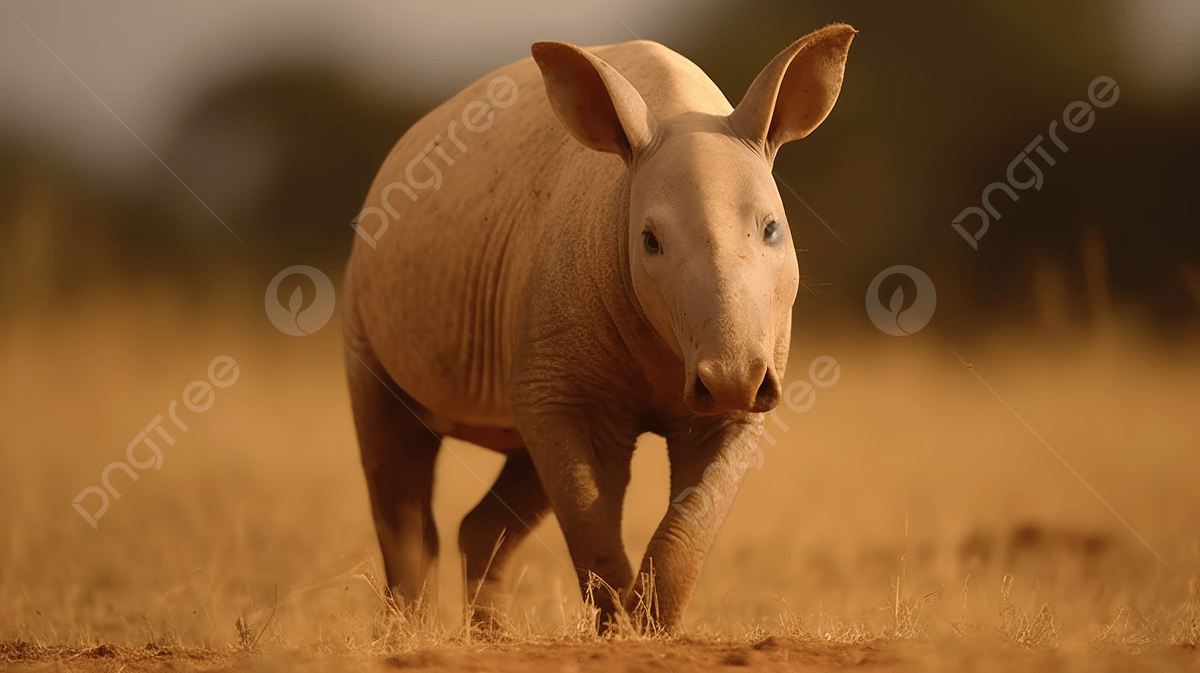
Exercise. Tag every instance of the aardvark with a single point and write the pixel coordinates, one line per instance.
(609, 257)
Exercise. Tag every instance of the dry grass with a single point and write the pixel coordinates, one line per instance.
(939, 527)
(1135, 632)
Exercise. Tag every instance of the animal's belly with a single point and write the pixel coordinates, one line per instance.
(439, 335)
(447, 385)
(497, 439)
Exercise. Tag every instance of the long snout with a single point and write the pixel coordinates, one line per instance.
(719, 385)
(733, 321)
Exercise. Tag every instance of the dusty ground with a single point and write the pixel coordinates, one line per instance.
(907, 521)
(771, 653)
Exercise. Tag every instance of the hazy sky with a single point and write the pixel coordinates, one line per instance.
(146, 59)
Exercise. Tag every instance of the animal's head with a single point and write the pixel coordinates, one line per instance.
(710, 252)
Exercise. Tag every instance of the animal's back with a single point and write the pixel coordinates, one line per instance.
(438, 299)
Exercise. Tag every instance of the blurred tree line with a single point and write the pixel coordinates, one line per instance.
(938, 100)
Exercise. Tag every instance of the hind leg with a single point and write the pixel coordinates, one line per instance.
(398, 454)
(515, 503)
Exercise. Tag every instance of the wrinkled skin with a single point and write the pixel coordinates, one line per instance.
(611, 257)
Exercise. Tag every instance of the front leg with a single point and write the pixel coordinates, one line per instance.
(582, 457)
(709, 458)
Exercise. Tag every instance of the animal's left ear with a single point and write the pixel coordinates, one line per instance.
(796, 91)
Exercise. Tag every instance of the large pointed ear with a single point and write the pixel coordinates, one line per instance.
(594, 102)
(796, 91)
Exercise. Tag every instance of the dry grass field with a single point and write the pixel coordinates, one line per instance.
(907, 521)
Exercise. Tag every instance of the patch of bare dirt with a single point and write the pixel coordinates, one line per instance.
(773, 653)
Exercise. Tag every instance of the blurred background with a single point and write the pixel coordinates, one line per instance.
(278, 115)
(122, 280)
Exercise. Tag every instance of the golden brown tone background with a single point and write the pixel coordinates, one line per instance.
(1019, 474)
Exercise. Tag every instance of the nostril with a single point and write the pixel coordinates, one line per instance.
(701, 392)
(768, 393)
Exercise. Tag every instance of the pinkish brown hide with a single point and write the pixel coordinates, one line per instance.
(606, 255)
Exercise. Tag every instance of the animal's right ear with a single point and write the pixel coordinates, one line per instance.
(593, 101)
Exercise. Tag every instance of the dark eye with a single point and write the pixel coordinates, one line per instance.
(772, 232)
(650, 244)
